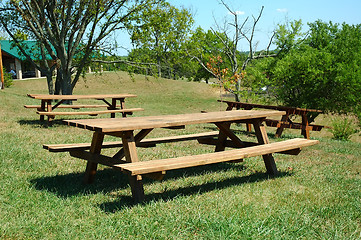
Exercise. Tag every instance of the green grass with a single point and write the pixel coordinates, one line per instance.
(316, 196)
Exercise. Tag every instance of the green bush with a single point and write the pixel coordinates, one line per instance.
(342, 129)
(8, 80)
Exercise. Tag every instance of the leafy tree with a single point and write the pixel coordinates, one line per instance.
(68, 31)
(320, 69)
(203, 46)
(158, 35)
(324, 72)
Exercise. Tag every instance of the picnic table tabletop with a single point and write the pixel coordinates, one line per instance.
(74, 97)
(128, 124)
(294, 110)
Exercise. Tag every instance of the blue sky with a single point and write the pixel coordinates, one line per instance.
(275, 12)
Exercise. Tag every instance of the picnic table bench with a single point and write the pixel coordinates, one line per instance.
(285, 121)
(46, 108)
(126, 159)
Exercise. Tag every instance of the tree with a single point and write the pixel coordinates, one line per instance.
(322, 71)
(158, 35)
(235, 61)
(203, 46)
(68, 31)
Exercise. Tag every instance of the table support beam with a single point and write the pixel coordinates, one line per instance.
(262, 138)
(129, 146)
(142, 134)
(91, 167)
(137, 188)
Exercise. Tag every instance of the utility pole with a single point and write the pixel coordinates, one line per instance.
(1, 70)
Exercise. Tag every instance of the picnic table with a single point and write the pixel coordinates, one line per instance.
(127, 160)
(285, 121)
(46, 108)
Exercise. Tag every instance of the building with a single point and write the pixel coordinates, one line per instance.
(15, 62)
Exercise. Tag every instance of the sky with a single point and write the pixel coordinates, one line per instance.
(207, 12)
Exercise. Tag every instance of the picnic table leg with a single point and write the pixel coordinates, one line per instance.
(248, 125)
(229, 107)
(225, 129)
(142, 134)
(225, 132)
(131, 155)
(122, 106)
(262, 137)
(49, 108)
(114, 105)
(281, 127)
(137, 188)
(305, 132)
(42, 108)
(222, 137)
(95, 147)
(129, 146)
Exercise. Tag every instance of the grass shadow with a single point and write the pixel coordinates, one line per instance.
(72, 184)
(127, 201)
(108, 180)
(41, 124)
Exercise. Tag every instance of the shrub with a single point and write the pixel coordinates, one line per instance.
(343, 128)
(8, 80)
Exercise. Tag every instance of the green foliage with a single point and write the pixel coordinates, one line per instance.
(343, 128)
(302, 80)
(204, 46)
(288, 35)
(158, 35)
(321, 71)
(8, 80)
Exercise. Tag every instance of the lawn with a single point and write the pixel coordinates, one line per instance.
(316, 196)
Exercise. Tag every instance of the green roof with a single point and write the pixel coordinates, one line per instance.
(30, 46)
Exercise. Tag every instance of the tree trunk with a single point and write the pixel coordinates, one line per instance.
(58, 83)
(49, 79)
(159, 67)
(237, 94)
(66, 83)
(63, 84)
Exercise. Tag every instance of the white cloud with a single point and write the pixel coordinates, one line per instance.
(282, 10)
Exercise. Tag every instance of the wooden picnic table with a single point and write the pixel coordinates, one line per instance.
(285, 121)
(127, 158)
(46, 108)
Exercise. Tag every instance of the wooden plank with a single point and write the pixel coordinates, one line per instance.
(277, 123)
(225, 128)
(144, 143)
(184, 137)
(129, 146)
(134, 123)
(230, 144)
(284, 119)
(210, 158)
(73, 106)
(262, 138)
(137, 138)
(75, 97)
(292, 110)
(95, 158)
(95, 148)
(90, 112)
